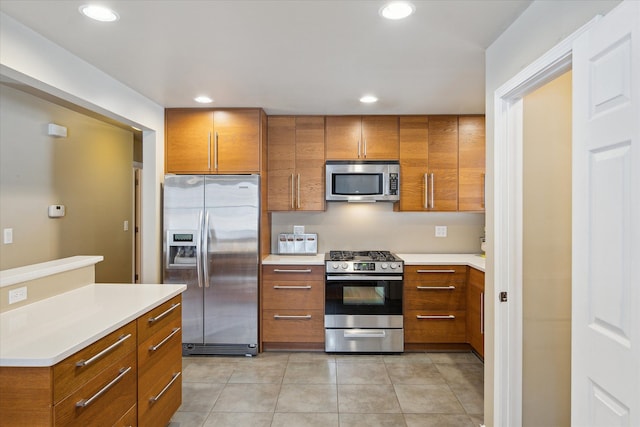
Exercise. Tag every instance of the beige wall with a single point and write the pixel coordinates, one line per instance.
(375, 226)
(90, 172)
(546, 364)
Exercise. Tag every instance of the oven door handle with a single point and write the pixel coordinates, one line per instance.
(356, 277)
(365, 333)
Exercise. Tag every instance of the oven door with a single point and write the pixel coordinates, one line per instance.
(361, 294)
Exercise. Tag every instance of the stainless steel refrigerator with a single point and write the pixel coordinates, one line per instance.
(211, 245)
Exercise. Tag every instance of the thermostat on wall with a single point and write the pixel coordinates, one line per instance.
(56, 211)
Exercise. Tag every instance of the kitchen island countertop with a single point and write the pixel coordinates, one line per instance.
(45, 332)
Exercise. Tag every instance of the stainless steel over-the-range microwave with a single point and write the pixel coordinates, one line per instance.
(363, 180)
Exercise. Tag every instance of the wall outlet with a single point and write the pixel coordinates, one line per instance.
(17, 295)
(7, 236)
(441, 231)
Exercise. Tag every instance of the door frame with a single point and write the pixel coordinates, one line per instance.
(508, 213)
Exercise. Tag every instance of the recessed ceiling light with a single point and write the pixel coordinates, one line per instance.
(368, 99)
(99, 13)
(397, 10)
(203, 99)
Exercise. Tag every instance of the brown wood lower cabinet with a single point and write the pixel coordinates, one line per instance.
(292, 300)
(130, 377)
(475, 311)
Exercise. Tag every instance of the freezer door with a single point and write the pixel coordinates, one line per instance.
(183, 216)
(232, 210)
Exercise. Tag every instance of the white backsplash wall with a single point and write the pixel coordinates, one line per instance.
(368, 226)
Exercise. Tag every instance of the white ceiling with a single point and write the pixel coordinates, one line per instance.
(289, 57)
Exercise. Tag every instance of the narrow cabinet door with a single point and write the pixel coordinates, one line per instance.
(281, 155)
(236, 141)
(414, 161)
(309, 185)
(471, 184)
(343, 136)
(443, 163)
(379, 137)
(188, 140)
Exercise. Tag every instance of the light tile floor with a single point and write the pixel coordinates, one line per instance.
(281, 389)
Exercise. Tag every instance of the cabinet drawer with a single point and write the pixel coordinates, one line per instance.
(79, 368)
(307, 294)
(129, 419)
(476, 278)
(106, 398)
(292, 272)
(167, 341)
(159, 318)
(435, 273)
(160, 392)
(435, 326)
(433, 296)
(293, 325)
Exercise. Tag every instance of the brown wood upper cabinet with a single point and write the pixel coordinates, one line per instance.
(471, 175)
(362, 137)
(442, 163)
(213, 141)
(295, 147)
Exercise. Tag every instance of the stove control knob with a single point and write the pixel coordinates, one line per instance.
(384, 265)
(344, 266)
(394, 266)
(335, 265)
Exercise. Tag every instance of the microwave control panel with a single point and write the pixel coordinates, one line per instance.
(393, 184)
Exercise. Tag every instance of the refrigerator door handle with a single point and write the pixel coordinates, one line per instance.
(205, 249)
(199, 251)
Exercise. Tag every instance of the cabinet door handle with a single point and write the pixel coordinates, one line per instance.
(482, 312)
(435, 271)
(298, 190)
(484, 196)
(292, 287)
(364, 151)
(215, 152)
(163, 314)
(358, 148)
(292, 193)
(433, 191)
(159, 395)
(209, 153)
(277, 270)
(161, 343)
(86, 402)
(278, 316)
(426, 191)
(92, 359)
(436, 288)
(435, 316)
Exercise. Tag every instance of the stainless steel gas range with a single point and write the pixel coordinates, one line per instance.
(363, 302)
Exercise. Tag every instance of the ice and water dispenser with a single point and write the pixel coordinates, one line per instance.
(182, 248)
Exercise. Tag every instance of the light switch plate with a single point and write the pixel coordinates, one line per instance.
(298, 229)
(441, 231)
(7, 236)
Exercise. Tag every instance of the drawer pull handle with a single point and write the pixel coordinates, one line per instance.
(436, 271)
(86, 402)
(278, 270)
(292, 287)
(161, 343)
(364, 333)
(161, 315)
(159, 395)
(445, 317)
(122, 339)
(437, 288)
(277, 316)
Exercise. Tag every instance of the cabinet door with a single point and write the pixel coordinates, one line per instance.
(475, 310)
(343, 135)
(188, 140)
(237, 141)
(310, 194)
(414, 160)
(379, 138)
(443, 163)
(471, 176)
(281, 134)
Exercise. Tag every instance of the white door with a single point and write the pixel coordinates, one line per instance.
(606, 222)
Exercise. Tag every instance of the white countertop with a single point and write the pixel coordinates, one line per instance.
(46, 332)
(472, 260)
(36, 271)
(294, 259)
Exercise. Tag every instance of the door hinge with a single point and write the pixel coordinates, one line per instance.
(503, 297)
(136, 278)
